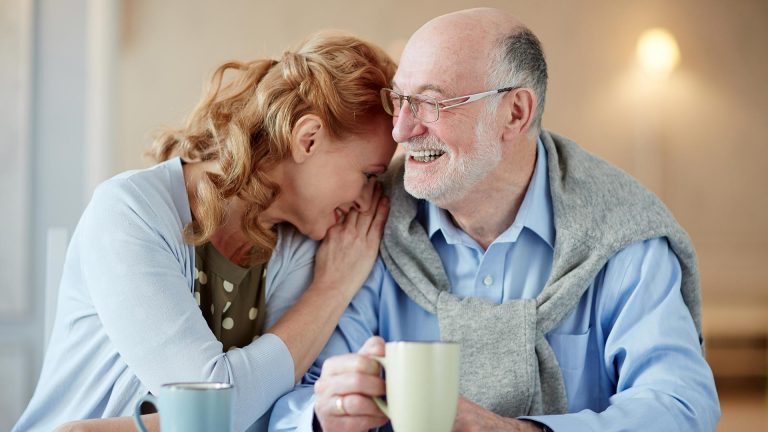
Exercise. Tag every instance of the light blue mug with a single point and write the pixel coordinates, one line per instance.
(190, 407)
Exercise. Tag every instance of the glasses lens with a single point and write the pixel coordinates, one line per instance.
(425, 108)
(391, 102)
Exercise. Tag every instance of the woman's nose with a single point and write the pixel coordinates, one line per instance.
(364, 199)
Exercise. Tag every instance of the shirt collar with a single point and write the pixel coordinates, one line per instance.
(535, 213)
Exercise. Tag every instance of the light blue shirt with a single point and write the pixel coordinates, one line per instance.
(629, 352)
(127, 321)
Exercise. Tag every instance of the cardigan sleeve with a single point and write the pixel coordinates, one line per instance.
(135, 269)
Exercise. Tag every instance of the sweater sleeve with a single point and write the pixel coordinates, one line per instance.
(133, 264)
(650, 350)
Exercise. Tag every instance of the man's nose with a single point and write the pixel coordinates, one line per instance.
(406, 125)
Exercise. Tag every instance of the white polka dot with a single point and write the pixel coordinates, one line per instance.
(228, 323)
(226, 306)
(197, 297)
(197, 273)
(255, 337)
(228, 287)
(252, 313)
(212, 310)
(231, 348)
(202, 277)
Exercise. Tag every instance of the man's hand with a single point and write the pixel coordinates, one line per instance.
(471, 417)
(343, 391)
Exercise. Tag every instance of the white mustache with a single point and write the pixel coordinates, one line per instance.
(425, 143)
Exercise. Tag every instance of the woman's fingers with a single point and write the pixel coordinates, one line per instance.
(376, 228)
(373, 220)
(364, 221)
(351, 218)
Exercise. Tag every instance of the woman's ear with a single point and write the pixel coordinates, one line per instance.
(304, 137)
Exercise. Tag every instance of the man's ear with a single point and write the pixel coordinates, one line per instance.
(304, 137)
(519, 107)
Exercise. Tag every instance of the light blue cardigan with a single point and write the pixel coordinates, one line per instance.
(127, 321)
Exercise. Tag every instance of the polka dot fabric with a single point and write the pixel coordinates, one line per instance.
(230, 297)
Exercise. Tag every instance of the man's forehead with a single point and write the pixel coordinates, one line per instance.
(419, 86)
(440, 68)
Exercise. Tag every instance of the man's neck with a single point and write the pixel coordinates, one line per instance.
(491, 206)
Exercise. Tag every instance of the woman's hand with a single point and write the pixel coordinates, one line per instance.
(342, 264)
(346, 256)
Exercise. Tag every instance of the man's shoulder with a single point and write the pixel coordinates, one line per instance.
(595, 198)
(584, 169)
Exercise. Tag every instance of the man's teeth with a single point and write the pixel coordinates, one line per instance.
(426, 155)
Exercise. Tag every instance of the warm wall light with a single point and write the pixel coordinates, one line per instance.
(657, 52)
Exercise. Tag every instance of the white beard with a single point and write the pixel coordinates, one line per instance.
(461, 174)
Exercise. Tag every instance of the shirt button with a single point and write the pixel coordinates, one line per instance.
(488, 280)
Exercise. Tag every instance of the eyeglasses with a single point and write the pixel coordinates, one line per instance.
(426, 108)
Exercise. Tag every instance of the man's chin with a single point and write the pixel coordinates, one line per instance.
(417, 188)
(440, 195)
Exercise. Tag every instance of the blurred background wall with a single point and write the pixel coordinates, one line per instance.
(86, 82)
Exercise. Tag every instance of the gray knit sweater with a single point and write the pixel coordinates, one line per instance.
(507, 365)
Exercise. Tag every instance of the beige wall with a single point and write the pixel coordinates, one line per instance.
(699, 141)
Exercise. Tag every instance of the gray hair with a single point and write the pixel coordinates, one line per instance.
(519, 61)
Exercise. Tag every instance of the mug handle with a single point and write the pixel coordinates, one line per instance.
(149, 397)
(381, 403)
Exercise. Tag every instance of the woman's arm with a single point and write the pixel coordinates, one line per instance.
(116, 424)
(136, 271)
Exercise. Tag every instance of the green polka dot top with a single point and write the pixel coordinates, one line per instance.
(231, 297)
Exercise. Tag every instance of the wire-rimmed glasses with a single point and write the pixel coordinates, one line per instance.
(426, 108)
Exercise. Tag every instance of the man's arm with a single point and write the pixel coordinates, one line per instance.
(295, 410)
(651, 350)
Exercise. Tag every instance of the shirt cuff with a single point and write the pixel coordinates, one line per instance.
(294, 412)
(561, 423)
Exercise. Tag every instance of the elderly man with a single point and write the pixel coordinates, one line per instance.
(529, 252)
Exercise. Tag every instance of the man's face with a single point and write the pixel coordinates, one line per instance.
(446, 158)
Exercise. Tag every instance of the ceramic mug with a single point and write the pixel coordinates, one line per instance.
(190, 407)
(422, 384)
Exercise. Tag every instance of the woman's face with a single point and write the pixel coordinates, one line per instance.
(336, 175)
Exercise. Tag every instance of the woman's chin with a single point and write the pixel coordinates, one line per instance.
(315, 233)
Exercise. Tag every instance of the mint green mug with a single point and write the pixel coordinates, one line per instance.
(422, 384)
(190, 407)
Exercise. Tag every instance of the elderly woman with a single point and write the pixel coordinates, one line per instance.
(205, 267)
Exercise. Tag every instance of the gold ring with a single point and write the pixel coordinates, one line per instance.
(340, 406)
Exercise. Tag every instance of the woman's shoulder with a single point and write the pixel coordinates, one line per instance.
(155, 191)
